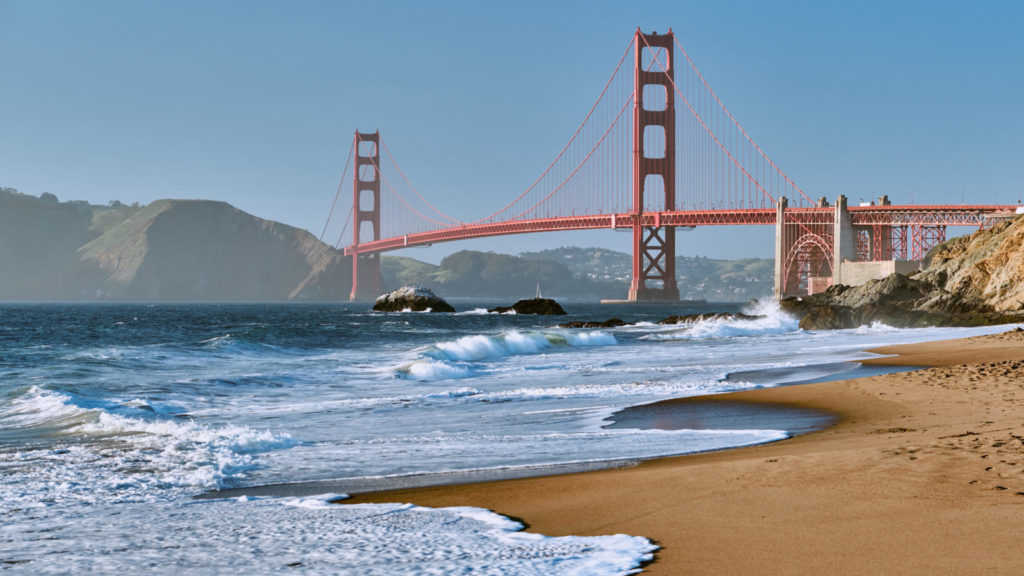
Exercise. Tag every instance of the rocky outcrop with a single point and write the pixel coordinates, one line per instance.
(545, 306)
(968, 281)
(986, 267)
(411, 299)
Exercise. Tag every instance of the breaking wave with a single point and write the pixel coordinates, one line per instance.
(460, 358)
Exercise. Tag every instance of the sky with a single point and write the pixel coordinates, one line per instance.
(255, 103)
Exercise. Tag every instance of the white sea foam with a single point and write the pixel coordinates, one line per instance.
(481, 347)
(449, 360)
(429, 369)
(310, 535)
(92, 451)
(475, 312)
(875, 328)
(770, 320)
(459, 451)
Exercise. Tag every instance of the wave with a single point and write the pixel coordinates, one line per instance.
(770, 319)
(136, 452)
(484, 312)
(481, 347)
(455, 359)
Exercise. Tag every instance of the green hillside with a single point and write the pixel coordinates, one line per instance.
(697, 277)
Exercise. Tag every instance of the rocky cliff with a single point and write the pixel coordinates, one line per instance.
(170, 250)
(986, 267)
(967, 281)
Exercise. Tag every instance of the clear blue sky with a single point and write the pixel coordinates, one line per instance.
(255, 103)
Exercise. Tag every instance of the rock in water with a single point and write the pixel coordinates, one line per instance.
(544, 306)
(412, 298)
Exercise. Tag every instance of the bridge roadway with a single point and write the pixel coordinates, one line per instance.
(955, 215)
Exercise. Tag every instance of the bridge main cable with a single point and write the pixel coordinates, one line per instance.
(734, 120)
(567, 145)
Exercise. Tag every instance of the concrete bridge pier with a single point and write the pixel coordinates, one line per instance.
(844, 242)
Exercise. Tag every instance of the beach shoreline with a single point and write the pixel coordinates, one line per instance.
(920, 475)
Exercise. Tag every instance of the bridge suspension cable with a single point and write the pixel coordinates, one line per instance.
(344, 173)
(348, 220)
(719, 167)
(707, 176)
(413, 188)
(718, 100)
(547, 171)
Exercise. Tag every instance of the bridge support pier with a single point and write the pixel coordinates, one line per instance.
(366, 279)
(844, 241)
(654, 246)
(780, 247)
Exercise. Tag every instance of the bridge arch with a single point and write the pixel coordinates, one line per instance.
(809, 256)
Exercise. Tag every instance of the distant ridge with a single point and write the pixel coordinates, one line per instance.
(169, 250)
(208, 251)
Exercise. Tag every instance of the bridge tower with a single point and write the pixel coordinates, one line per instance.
(366, 279)
(654, 168)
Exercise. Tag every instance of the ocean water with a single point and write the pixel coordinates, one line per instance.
(114, 418)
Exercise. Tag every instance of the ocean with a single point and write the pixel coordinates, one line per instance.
(207, 438)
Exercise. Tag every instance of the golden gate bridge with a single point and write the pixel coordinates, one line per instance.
(658, 150)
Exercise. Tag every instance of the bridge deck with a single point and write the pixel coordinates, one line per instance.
(861, 216)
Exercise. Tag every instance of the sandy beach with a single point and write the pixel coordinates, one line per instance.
(922, 474)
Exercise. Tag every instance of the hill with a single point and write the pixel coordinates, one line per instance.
(200, 250)
(472, 274)
(697, 277)
(170, 250)
(575, 273)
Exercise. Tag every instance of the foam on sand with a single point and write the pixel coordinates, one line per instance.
(314, 535)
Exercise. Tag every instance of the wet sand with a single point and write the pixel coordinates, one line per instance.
(922, 474)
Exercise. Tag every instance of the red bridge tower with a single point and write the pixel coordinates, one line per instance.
(654, 169)
(366, 279)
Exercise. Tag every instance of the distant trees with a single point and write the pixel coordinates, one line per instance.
(502, 275)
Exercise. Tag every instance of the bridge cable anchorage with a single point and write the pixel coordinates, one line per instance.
(735, 121)
(715, 138)
(568, 144)
(344, 172)
(413, 188)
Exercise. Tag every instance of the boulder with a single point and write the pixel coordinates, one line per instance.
(545, 306)
(827, 317)
(412, 298)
